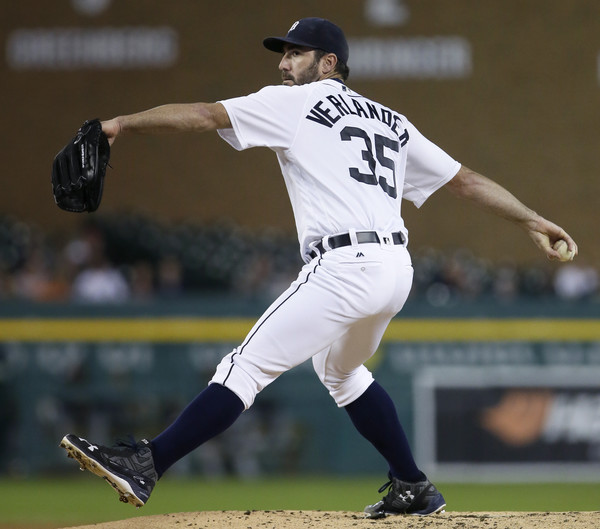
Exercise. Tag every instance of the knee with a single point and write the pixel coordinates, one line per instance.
(233, 376)
(345, 388)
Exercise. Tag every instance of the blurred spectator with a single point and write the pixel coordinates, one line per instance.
(37, 278)
(465, 274)
(169, 261)
(142, 281)
(100, 285)
(535, 281)
(98, 281)
(170, 277)
(255, 276)
(505, 281)
(573, 281)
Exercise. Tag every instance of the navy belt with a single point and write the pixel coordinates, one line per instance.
(362, 237)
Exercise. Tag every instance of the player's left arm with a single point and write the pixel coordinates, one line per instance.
(492, 197)
(190, 117)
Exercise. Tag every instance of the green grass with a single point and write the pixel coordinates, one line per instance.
(86, 500)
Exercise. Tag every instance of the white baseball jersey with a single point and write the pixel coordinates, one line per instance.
(347, 161)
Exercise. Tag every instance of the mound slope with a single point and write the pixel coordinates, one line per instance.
(353, 520)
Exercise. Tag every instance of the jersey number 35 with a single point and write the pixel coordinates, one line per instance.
(372, 158)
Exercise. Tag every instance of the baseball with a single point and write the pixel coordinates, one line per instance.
(562, 248)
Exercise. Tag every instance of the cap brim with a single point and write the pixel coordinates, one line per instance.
(276, 43)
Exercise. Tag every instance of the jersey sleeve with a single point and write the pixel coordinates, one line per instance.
(428, 167)
(267, 118)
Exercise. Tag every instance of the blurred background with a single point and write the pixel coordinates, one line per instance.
(190, 230)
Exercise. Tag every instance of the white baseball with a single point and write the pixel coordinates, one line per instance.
(563, 250)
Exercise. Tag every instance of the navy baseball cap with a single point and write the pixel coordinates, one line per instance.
(313, 32)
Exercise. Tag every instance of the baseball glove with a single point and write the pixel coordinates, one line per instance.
(79, 169)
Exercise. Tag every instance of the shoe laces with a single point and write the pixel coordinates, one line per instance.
(407, 495)
(128, 442)
(386, 485)
(127, 447)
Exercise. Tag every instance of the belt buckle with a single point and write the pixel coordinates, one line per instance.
(386, 239)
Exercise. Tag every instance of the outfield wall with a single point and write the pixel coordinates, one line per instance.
(508, 88)
(481, 398)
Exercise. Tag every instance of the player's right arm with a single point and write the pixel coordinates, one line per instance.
(190, 117)
(492, 197)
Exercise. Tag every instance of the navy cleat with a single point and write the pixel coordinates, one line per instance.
(128, 468)
(417, 499)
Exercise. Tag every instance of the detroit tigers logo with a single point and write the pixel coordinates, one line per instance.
(294, 26)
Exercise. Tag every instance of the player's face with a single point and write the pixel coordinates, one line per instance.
(298, 65)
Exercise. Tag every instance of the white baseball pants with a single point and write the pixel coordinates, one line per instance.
(335, 312)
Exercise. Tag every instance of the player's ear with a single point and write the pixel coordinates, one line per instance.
(328, 63)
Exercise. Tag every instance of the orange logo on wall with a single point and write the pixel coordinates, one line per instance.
(520, 417)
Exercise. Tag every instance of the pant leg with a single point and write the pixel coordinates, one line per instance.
(317, 314)
(341, 366)
(303, 321)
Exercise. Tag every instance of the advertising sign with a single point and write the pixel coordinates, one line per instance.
(506, 422)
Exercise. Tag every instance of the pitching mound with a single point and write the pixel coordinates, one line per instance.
(352, 520)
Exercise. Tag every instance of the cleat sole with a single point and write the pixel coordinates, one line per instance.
(439, 510)
(123, 489)
(384, 514)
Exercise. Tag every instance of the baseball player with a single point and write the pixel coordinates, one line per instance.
(347, 162)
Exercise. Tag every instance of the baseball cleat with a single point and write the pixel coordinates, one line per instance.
(128, 468)
(417, 499)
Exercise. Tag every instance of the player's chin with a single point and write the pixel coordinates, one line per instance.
(289, 82)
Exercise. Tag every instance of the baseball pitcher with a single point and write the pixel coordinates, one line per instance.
(347, 162)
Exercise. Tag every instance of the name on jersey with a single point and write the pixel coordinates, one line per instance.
(328, 113)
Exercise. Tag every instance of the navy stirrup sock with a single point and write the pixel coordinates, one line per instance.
(210, 413)
(374, 416)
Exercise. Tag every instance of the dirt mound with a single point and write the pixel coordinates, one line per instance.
(352, 520)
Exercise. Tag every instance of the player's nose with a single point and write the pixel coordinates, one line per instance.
(284, 64)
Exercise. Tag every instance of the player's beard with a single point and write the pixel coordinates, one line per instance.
(310, 75)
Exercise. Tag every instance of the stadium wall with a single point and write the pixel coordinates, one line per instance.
(508, 88)
(480, 397)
